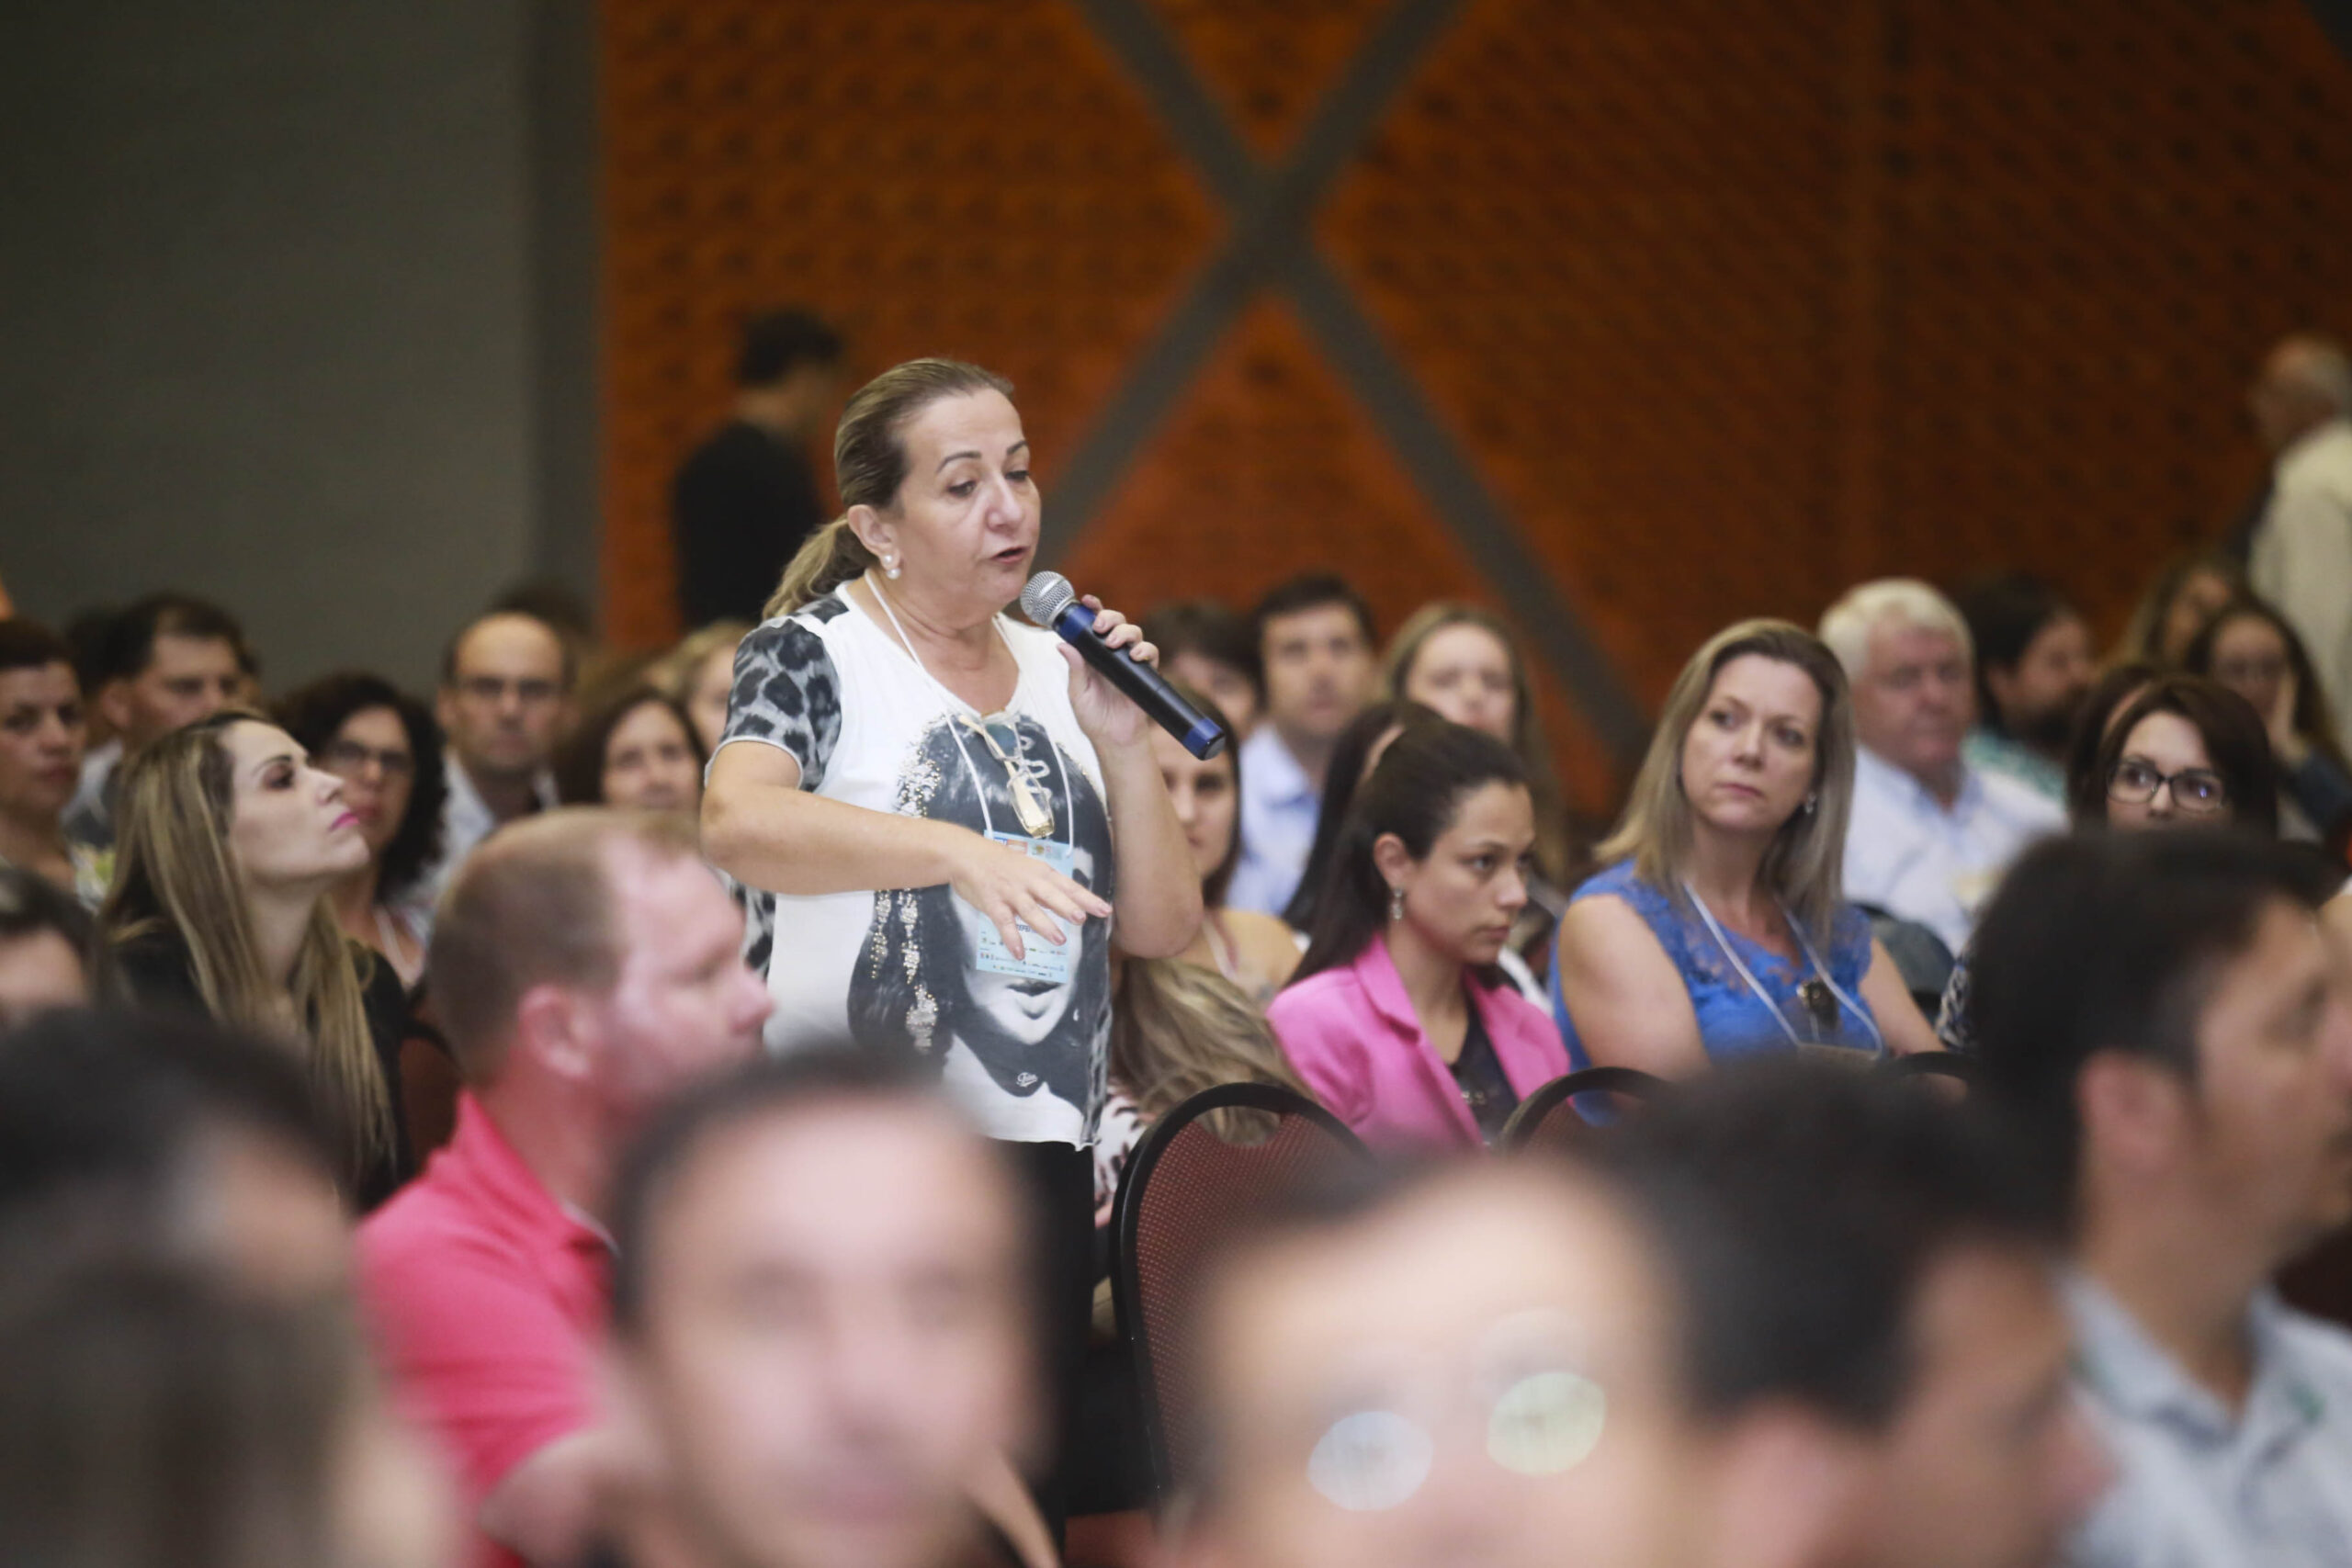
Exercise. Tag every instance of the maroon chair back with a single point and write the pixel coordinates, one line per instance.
(1198, 1169)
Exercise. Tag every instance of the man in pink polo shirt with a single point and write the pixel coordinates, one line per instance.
(585, 966)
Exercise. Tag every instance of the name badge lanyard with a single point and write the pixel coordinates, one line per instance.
(1016, 767)
(1819, 969)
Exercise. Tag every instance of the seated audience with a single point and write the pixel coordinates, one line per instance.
(506, 683)
(386, 748)
(1397, 1018)
(1930, 833)
(1176, 1029)
(585, 965)
(2250, 649)
(1353, 756)
(1480, 1364)
(42, 733)
(1849, 1249)
(699, 676)
(2034, 667)
(1719, 928)
(1315, 641)
(2184, 596)
(47, 942)
(2183, 752)
(2158, 1010)
(230, 845)
(154, 1415)
(1254, 950)
(638, 750)
(846, 1427)
(161, 662)
(1209, 646)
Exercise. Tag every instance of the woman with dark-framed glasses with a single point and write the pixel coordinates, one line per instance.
(2183, 751)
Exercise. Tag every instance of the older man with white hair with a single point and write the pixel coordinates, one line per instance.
(2301, 549)
(1929, 835)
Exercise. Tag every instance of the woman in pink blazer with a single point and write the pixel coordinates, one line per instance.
(1396, 1017)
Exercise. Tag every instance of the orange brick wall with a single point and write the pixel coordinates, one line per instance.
(1729, 304)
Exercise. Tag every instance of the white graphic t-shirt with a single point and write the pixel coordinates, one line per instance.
(1023, 1047)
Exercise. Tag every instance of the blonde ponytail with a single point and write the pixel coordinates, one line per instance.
(827, 558)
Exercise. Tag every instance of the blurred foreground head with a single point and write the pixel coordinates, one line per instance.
(819, 1317)
(1861, 1258)
(1475, 1365)
(198, 1141)
(154, 1415)
(2159, 1010)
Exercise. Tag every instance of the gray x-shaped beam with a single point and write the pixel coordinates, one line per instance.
(1272, 244)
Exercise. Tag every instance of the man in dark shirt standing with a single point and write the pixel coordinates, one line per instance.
(744, 500)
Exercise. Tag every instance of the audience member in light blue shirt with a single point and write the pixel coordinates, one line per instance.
(1930, 835)
(2161, 1008)
(1315, 640)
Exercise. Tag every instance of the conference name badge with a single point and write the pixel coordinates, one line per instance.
(1042, 960)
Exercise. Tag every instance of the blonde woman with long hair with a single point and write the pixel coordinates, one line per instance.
(230, 843)
(1719, 927)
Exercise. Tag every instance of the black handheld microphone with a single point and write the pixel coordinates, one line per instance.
(1051, 603)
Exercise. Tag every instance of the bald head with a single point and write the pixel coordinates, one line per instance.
(505, 692)
(2305, 381)
(536, 905)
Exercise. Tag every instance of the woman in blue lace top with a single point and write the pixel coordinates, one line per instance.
(1719, 927)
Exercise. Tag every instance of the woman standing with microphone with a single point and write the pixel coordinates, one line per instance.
(925, 809)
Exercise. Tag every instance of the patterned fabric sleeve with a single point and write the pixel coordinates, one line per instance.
(786, 694)
(1956, 1020)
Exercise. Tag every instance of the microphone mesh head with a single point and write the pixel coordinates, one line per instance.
(1046, 596)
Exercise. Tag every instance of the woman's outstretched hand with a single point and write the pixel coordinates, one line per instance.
(1014, 887)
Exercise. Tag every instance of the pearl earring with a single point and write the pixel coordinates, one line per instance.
(890, 568)
(1810, 802)
(1396, 903)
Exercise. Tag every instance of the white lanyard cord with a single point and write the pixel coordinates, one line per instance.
(1779, 1016)
(955, 731)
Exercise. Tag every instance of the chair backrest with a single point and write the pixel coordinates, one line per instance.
(1550, 1117)
(1918, 954)
(1199, 1168)
(1936, 1065)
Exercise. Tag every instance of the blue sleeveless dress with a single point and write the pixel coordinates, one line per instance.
(1732, 1020)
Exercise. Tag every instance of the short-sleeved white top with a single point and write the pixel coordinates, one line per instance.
(893, 969)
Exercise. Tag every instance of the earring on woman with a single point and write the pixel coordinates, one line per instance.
(890, 568)
(1396, 903)
(1810, 801)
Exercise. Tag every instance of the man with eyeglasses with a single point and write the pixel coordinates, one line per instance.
(505, 695)
(2162, 1012)
(1482, 1364)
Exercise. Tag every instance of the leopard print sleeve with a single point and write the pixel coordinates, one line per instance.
(786, 694)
